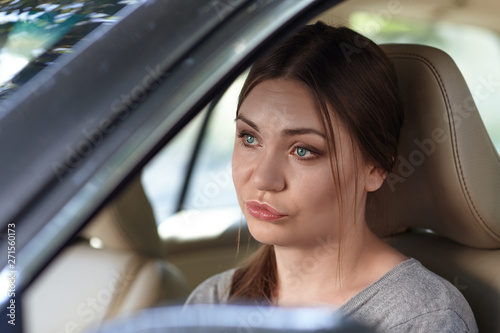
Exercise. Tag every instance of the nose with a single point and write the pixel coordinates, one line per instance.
(269, 173)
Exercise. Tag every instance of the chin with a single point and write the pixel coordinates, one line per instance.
(269, 233)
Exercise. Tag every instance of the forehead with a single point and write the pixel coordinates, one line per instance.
(281, 102)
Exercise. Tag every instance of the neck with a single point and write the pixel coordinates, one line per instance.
(328, 272)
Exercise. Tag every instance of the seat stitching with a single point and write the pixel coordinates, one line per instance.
(452, 125)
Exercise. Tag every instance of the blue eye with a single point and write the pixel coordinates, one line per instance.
(249, 139)
(301, 151)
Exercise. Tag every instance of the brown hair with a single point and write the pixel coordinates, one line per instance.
(351, 80)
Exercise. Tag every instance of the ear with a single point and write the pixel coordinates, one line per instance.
(374, 178)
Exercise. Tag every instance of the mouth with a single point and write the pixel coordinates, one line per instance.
(263, 212)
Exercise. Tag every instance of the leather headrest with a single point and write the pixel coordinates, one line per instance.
(127, 223)
(447, 172)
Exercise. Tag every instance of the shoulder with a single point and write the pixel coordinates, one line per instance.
(410, 298)
(213, 290)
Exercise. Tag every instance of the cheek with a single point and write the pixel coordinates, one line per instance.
(315, 202)
(240, 168)
(314, 190)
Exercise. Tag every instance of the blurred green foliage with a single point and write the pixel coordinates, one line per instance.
(40, 31)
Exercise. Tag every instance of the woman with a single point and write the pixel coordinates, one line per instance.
(318, 124)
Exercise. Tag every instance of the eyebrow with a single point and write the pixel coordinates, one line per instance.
(285, 132)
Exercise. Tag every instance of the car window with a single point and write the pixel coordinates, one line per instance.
(210, 193)
(165, 174)
(33, 34)
(212, 183)
(475, 50)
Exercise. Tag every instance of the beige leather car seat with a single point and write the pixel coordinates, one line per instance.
(85, 285)
(446, 180)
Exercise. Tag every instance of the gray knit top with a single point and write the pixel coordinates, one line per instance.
(408, 298)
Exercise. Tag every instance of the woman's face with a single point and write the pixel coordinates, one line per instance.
(281, 168)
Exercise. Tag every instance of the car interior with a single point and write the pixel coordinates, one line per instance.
(440, 205)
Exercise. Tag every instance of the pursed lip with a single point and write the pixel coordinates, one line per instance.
(263, 211)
